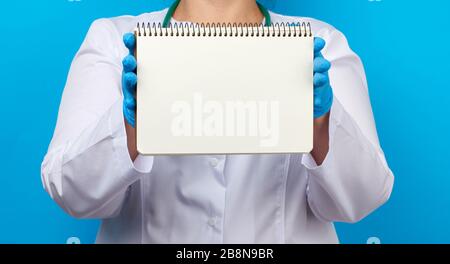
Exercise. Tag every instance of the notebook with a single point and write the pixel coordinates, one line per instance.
(224, 89)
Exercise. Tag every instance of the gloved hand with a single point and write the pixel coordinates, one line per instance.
(129, 80)
(323, 94)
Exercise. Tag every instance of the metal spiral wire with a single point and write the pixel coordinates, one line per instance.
(300, 29)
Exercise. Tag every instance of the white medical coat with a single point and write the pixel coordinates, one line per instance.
(209, 199)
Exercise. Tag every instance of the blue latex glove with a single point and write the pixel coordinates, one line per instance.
(323, 94)
(129, 80)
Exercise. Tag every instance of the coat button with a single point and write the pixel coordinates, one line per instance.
(212, 221)
(214, 162)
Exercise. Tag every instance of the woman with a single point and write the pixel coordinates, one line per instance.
(92, 168)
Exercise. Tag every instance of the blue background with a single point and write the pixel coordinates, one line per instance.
(404, 45)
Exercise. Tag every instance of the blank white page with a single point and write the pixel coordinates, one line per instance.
(224, 94)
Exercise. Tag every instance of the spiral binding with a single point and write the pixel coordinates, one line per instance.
(224, 30)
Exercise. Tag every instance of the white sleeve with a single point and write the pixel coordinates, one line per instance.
(87, 169)
(354, 179)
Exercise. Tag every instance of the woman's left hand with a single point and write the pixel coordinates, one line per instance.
(323, 94)
(323, 99)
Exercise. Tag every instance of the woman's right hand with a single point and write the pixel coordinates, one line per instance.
(129, 81)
